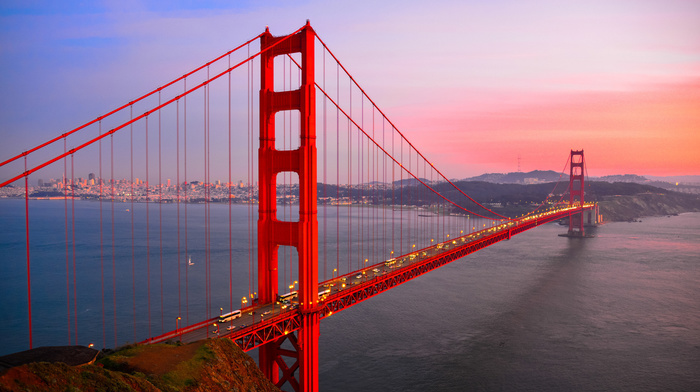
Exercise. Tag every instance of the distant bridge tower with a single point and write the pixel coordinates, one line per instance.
(576, 187)
(303, 235)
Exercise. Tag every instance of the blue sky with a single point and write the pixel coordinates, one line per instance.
(497, 78)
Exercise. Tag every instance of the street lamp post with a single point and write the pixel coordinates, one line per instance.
(177, 327)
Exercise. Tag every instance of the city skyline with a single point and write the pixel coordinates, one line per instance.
(507, 84)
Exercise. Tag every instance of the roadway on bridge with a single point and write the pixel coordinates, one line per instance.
(253, 317)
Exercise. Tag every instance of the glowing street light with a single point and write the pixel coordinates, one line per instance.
(177, 327)
(335, 271)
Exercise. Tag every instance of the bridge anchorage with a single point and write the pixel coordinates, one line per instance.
(401, 223)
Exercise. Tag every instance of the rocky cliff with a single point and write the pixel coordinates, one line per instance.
(207, 365)
(615, 208)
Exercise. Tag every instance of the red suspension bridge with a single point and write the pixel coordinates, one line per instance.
(335, 206)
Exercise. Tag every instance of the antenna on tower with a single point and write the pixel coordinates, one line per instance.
(518, 163)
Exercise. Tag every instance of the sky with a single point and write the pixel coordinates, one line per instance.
(477, 86)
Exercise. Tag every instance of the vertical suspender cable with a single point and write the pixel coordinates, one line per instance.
(75, 281)
(361, 167)
(114, 247)
(206, 215)
(207, 201)
(361, 182)
(393, 198)
(384, 191)
(337, 169)
(102, 268)
(325, 166)
(209, 184)
(376, 189)
(148, 237)
(133, 253)
(284, 174)
(230, 233)
(401, 210)
(249, 174)
(291, 143)
(65, 221)
(187, 267)
(160, 219)
(177, 194)
(350, 187)
(29, 270)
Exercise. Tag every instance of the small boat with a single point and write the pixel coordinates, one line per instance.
(189, 261)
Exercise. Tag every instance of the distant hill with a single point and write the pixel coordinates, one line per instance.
(691, 180)
(409, 182)
(624, 178)
(533, 177)
(542, 176)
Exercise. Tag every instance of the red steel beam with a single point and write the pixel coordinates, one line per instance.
(277, 327)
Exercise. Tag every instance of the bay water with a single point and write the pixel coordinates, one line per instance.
(619, 311)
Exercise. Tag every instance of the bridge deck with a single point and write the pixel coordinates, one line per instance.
(265, 323)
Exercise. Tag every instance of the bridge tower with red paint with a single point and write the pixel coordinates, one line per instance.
(273, 233)
(576, 188)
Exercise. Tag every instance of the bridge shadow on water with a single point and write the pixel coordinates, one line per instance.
(504, 318)
(534, 333)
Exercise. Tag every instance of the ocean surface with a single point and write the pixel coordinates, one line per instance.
(619, 311)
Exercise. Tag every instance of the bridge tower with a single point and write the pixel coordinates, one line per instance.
(576, 187)
(303, 235)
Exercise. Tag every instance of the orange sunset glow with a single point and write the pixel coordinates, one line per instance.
(653, 131)
(501, 83)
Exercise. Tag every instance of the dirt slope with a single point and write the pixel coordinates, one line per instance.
(207, 365)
